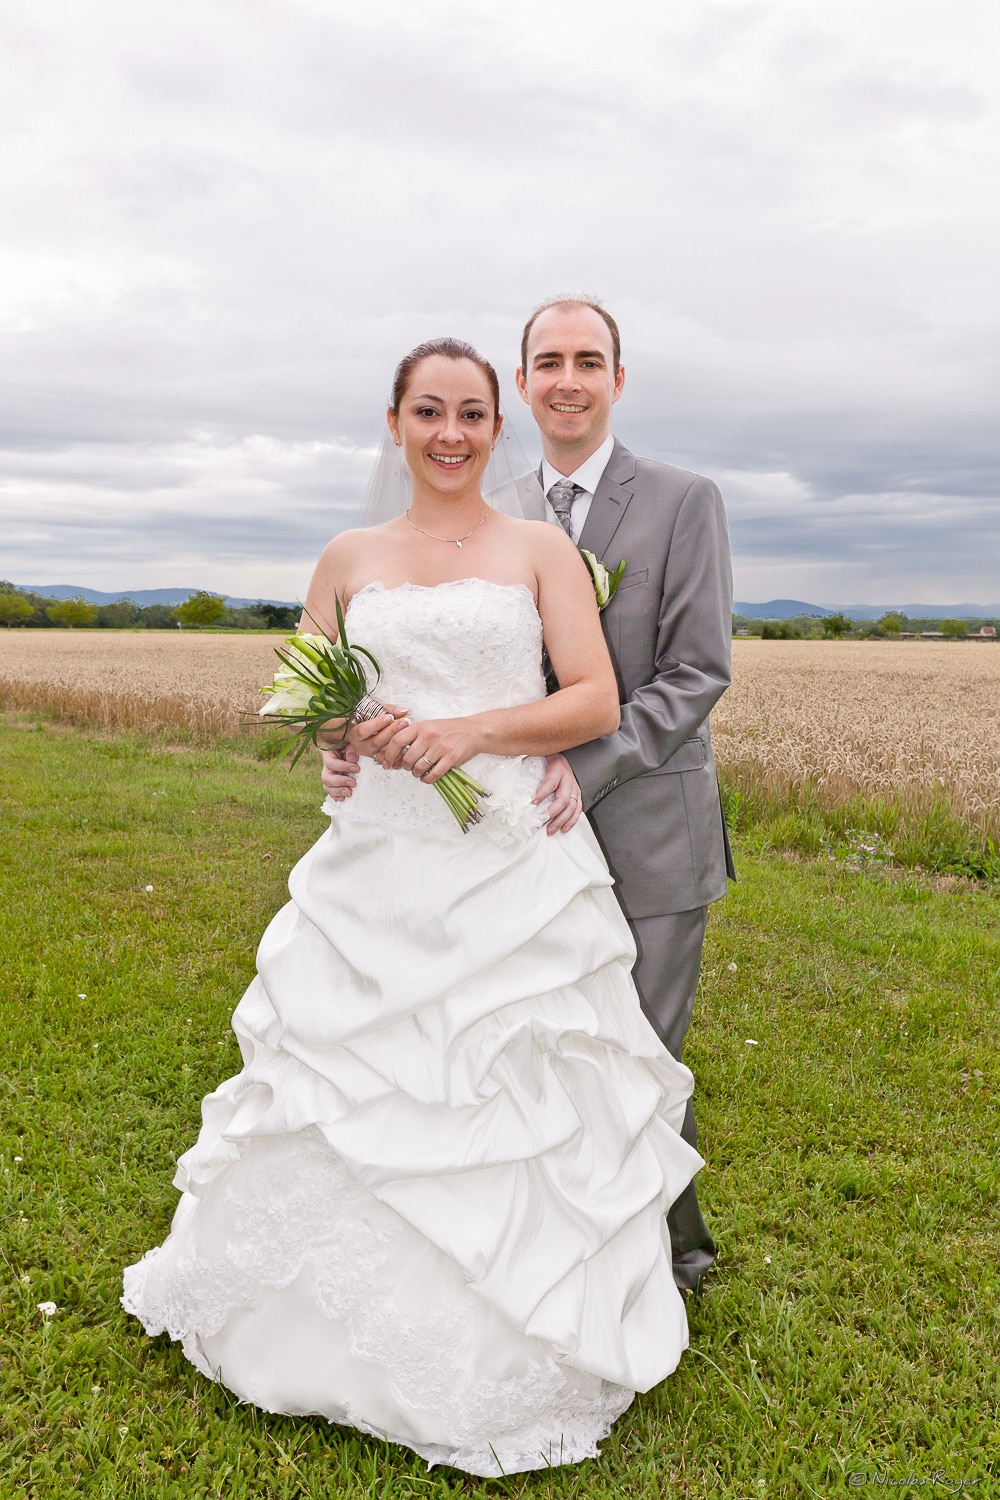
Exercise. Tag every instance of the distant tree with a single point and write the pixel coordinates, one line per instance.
(835, 626)
(15, 609)
(157, 617)
(286, 617)
(245, 618)
(72, 612)
(40, 610)
(37, 603)
(954, 629)
(806, 625)
(892, 623)
(118, 616)
(201, 609)
(779, 630)
(919, 626)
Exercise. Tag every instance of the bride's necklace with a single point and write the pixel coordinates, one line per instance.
(452, 541)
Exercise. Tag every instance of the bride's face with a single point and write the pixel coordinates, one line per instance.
(446, 425)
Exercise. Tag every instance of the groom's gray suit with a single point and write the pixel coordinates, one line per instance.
(650, 788)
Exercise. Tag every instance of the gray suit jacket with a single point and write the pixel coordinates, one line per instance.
(651, 788)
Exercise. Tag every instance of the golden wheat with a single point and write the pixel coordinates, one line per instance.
(917, 720)
(203, 686)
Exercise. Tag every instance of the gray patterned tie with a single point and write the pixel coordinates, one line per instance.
(561, 497)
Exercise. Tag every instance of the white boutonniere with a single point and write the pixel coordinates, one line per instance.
(605, 582)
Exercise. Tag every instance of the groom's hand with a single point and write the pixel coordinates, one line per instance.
(561, 785)
(339, 772)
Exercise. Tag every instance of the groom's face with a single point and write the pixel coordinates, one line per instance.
(570, 381)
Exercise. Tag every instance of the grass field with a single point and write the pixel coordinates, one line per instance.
(845, 1047)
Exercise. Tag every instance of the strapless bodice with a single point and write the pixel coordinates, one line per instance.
(448, 650)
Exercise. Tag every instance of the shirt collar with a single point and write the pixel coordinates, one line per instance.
(588, 476)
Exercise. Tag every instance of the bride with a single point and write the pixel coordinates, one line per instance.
(431, 1206)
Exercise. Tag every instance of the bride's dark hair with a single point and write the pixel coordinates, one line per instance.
(450, 349)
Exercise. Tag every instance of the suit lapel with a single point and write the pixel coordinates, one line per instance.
(610, 502)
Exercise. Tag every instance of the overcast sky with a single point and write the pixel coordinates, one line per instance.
(223, 221)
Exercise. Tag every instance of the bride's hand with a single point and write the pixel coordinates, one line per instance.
(561, 785)
(371, 737)
(431, 747)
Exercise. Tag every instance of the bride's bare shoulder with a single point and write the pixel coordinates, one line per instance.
(527, 533)
(347, 562)
(349, 547)
(543, 539)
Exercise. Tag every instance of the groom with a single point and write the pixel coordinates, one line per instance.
(650, 788)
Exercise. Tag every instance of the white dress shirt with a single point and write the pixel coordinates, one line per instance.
(588, 476)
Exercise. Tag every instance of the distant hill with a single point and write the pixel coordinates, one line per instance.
(773, 609)
(786, 609)
(922, 611)
(779, 609)
(140, 596)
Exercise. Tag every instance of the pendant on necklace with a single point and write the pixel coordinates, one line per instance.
(459, 546)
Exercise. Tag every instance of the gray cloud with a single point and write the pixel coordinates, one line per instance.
(224, 225)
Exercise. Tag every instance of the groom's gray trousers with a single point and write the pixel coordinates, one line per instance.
(666, 976)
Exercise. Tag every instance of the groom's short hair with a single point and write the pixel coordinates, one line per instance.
(594, 305)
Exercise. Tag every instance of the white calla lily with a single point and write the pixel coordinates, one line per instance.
(605, 582)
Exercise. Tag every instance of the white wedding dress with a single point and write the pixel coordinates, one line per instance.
(431, 1206)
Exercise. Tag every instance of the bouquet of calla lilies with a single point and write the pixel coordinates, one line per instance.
(605, 582)
(322, 680)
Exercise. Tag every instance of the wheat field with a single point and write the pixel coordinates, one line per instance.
(916, 720)
(199, 686)
(911, 719)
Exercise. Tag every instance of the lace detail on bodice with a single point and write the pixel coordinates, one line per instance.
(455, 648)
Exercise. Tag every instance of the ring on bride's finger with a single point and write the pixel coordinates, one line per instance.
(429, 763)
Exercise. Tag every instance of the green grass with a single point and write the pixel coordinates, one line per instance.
(917, 832)
(851, 1327)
